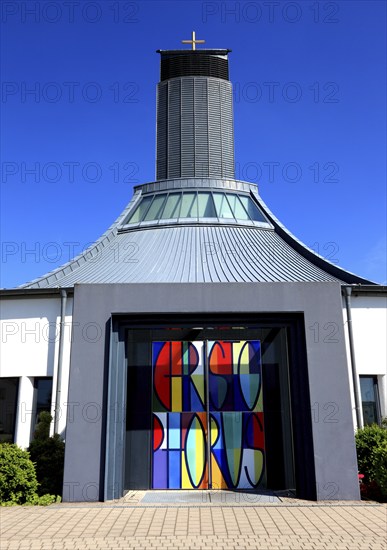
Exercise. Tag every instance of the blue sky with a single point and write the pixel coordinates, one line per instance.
(78, 108)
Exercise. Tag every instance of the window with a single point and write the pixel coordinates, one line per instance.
(370, 399)
(222, 206)
(252, 209)
(189, 206)
(43, 393)
(172, 207)
(9, 389)
(206, 206)
(155, 209)
(141, 209)
(196, 205)
(239, 212)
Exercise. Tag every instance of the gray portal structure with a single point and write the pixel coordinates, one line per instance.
(95, 451)
(197, 251)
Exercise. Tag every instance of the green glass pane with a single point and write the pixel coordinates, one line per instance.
(171, 207)
(189, 206)
(252, 209)
(155, 209)
(206, 206)
(141, 209)
(222, 207)
(237, 208)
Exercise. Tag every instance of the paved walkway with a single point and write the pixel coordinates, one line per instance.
(131, 523)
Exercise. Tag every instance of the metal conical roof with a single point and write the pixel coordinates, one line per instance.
(196, 249)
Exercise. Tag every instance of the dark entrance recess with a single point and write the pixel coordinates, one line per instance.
(138, 407)
(288, 427)
(9, 389)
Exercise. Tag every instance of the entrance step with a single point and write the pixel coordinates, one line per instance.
(209, 497)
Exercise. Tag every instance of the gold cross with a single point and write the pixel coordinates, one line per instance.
(193, 41)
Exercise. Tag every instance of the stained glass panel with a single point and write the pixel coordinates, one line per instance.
(183, 418)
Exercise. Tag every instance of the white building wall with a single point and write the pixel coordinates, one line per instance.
(29, 336)
(24, 413)
(369, 325)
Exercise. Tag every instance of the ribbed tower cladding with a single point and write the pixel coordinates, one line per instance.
(195, 124)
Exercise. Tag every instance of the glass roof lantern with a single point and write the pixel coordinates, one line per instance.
(196, 206)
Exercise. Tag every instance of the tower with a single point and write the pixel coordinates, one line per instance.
(195, 127)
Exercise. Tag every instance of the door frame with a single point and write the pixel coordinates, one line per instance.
(114, 433)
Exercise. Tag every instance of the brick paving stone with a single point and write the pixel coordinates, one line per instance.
(284, 526)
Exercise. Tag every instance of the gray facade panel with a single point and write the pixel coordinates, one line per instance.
(333, 440)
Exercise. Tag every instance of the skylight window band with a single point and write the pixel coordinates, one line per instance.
(200, 206)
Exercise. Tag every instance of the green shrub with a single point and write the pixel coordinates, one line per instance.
(18, 483)
(48, 455)
(380, 465)
(371, 447)
(368, 439)
(45, 500)
(42, 430)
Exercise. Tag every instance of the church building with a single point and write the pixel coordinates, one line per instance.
(197, 344)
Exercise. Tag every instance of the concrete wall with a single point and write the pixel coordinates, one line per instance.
(29, 328)
(333, 440)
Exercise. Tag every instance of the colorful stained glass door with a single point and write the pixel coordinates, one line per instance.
(207, 401)
(179, 416)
